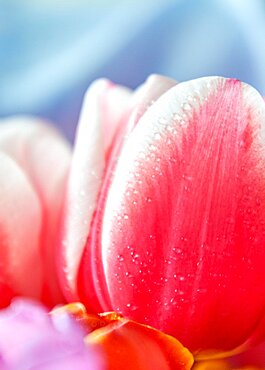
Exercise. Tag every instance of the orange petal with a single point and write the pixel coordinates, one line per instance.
(250, 368)
(89, 322)
(221, 365)
(128, 344)
(212, 365)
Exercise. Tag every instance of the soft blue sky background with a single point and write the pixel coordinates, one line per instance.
(51, 50)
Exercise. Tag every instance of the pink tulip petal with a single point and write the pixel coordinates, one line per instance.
(141, 100)
(149, 92)
(44, 156)
(115, 103)
(101, 113)
(20, 227)
(183, 227)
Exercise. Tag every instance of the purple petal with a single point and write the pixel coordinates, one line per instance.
(32, 339)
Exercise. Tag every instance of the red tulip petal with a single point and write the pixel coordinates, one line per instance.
(38, 148)
(6, 292)
(184, 220)
(102, 109)
(255, 356)
(257, 337)
(20, 226)
(127, 344)
(142, 99)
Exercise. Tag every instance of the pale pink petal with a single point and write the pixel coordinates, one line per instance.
(44, 156)
(113, 106)
(141, 100)
(183, 228)
(100, 116)
(20, 231)
(148, 93)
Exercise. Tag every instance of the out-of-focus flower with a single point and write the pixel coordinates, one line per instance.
(34, 160)
(165, 209)
(32, 339)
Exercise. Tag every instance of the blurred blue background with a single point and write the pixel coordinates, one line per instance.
(51, 50)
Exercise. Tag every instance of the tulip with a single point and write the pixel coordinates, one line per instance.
(34, 161)
(164, 215)
(31, 339)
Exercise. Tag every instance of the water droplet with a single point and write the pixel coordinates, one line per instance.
(177, 117)
(157, 136)
(201, 290)
(162, 120)
(120, 258)
(186, 106)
